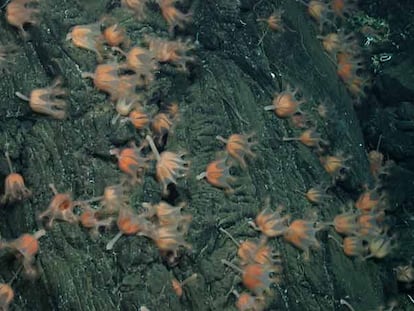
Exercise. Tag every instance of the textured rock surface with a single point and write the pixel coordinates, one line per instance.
(234, 78)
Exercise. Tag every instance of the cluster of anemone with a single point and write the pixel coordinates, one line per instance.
(364, 224)
(161, 222)
(126, 73)
(260, 267)
(301, 233)
(342, 46)
(173, 16)
(330, 13)
(364, 228)
(49, 100)
(287, 104)
(26, 246)
(239, 148)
